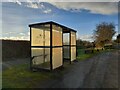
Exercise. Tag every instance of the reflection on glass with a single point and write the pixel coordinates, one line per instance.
(73, 53)
(66, 50)
(47, 38)
(37, 37)
(73, 38)
(40, 35)
(57, 57)
(56, 35)
(66, 39)
(41, 57)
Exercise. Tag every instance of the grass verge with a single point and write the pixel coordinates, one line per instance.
(83, 56)
(22, 77)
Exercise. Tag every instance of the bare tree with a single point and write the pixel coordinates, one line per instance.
(104, 33)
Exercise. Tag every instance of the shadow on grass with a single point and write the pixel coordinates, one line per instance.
(22, 77)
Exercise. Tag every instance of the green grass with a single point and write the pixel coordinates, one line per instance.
(83, 56)
(21, 77)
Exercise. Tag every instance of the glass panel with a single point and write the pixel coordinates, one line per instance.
(37, 37)
(56, 35)
(73, 53)
(73, 38)
(47, 38)
(66, 50)
(57, 57)
(41, 57)
(40, 35)
(66, 39)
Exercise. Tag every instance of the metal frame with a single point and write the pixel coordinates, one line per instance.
(31, 64)
(70, 46)
(68, 30)
(62, 49)
(51, 66)
(51, 22)
(30, 51)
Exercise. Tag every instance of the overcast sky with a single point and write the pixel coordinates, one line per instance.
(16, 16)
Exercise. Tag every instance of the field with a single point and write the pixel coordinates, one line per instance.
(15, 49)
(83, 56)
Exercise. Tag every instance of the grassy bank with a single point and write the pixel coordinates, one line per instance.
(83, 56)
(22, 77)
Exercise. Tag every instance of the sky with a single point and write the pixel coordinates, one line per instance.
(81, 16)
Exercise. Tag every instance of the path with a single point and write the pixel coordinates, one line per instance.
(100, 71)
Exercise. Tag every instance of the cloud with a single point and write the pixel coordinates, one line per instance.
(90, 37)
(105, 8)
(61, 0)
(86, 37)
(47, 11)
(18, 36)
(22, 34)
(93, 7)
(18, 2)
(28, 33)
(32, 5)
(38, 5)
(15, 38)
(115, 36)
